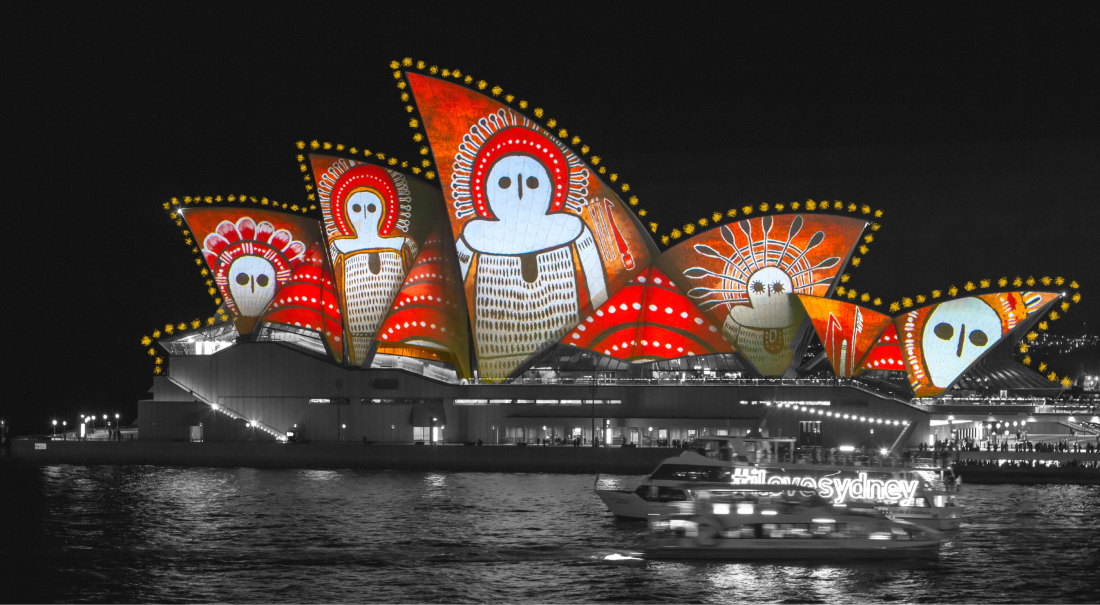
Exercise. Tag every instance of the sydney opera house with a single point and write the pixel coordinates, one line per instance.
(505, 286)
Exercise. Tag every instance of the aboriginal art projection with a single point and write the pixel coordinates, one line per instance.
(376, 220)
(428, 318)
(648, 319)
(252, 254)
(848, 332)
(742, 275)
(541, 241)
(886, 354)
(941, 341)
(308, 301)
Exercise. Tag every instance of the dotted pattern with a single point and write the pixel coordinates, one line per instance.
(515, 317)
(367, 296)
(533, 113)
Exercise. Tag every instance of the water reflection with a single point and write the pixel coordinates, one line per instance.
(170, 534)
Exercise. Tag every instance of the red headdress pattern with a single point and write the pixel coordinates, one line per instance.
(504, 133)
(248, 238)
(346, 177)
(308, 300)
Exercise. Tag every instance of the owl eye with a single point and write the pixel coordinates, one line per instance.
(532, 183)
(945, 331)
(978, 338)
(504, 182)
(261, 280)
(356, 208)
(371, 208)
(757, 287)
(242, 279)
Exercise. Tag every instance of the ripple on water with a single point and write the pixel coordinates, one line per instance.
(198, 535)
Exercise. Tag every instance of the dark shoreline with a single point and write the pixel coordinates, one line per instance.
(457, 458)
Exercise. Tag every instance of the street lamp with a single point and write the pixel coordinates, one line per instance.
(55, 428)
(64, 429)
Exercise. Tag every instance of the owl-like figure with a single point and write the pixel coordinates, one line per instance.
(532, 263)
(251, 261)
(367, 215)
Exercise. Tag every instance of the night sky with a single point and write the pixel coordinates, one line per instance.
(975, 129)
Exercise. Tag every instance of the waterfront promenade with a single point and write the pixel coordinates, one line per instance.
(489, 458)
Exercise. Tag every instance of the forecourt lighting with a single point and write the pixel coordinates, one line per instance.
(839, 415)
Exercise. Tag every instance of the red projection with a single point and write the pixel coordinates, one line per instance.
(375, 220)
(941, 341)
(251, 253)
(846, 331)
(308, 300)
(648, 319)
(742, 274)
(541, 241)
(428, 318)
(886, 354)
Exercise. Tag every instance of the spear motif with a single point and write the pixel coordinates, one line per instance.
(796, 227)
(767, 230)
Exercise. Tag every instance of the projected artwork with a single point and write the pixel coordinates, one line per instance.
(251, 254)
(429, 314)
(941, 341)
(846, 331)
(308, 300)
(375, 220)
(742, 275)
(886, 354)
(648, 319)
(541, 241)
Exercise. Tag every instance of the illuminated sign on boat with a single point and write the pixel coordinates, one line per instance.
(837, 488)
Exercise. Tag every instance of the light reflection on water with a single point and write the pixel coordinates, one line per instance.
(172, 534)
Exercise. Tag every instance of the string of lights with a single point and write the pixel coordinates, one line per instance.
(532, 112)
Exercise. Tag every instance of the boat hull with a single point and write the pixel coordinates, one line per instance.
(937, 521)
(629, 505)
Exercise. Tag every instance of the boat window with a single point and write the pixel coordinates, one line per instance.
(669, 494)
(693, 472)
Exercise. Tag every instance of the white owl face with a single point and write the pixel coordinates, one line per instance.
(770, 307)
(518, 187)
(364, 212)
(957, 333)
(252, 284)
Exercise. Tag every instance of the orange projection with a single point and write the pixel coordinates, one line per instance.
(941, 341)
(428, 318)
(541, 241)
(308, 300)
(252, 254)
(376, 219)
(742, 274)
(846, 331)
(886, 354)
(648, 319)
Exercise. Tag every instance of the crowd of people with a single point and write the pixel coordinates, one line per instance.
(1031, 464)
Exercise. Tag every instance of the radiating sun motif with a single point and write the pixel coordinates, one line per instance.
(754, 282)
(760, 268)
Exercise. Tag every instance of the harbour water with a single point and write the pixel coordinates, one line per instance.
(144, 533)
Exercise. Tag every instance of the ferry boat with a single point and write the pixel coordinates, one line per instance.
(919, 495)
(722, 521)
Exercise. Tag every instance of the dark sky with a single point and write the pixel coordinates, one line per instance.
(974, 127)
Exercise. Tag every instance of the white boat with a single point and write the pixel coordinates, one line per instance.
(721, 521)
(911, 494)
